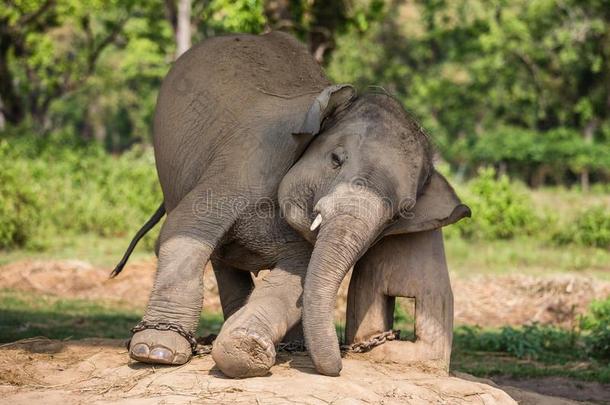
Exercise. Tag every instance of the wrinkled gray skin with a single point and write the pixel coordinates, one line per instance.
(233, 116)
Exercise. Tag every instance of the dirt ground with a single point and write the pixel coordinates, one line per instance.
(97, 370)
(479, 300)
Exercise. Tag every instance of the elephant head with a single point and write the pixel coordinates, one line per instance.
(367, 173)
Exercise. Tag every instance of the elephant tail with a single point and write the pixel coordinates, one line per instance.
(152, 221)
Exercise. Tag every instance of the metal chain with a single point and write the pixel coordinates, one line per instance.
(374, 341)
(203, 345)
(292, 346)
(164, 326)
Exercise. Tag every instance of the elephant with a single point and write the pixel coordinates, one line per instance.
(264, 164)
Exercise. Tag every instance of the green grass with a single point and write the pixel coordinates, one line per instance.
(530, 351)
(25, 315)
(524, 256)
(489, 364)
(97, 250)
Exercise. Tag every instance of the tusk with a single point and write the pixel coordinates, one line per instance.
(316, 223)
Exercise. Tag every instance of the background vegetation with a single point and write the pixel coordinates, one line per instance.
(521, 88)
(520, 85)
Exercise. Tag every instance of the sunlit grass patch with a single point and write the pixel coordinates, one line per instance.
(24, 315)
(529, 256)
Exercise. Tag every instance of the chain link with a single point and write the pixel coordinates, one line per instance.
(374, 341)
(292, 346)
(204, 344)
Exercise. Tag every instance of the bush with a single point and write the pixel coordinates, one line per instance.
(597, 324)
(499, 210)
(590, 228)
(545, 342)
(536, 341)
(19, 208)
(530, 341)
(51, 188)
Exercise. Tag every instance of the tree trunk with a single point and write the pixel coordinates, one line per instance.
(502, 168)
(183, 27)
(2, 119)
(11, 107)
(588, 136)
(539, 176)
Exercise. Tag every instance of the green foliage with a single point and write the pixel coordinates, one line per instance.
(535, 341)
(597, 323)
(19, 207)
(235, 16)
(52, 188)
(528, 342)
(560, 150)
(499, 210)
(590, 228)
(519, 83)
(545, 343)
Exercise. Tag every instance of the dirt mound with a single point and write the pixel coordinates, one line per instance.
(479, 300)
(96, 370)
(79, 279)
(516, 300)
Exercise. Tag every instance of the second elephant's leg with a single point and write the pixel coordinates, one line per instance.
(410, 265)
(234, 287)
(245, 346)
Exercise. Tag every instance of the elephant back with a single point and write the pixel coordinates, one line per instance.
(222, 95)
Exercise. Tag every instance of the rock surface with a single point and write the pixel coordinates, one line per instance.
(40, 370)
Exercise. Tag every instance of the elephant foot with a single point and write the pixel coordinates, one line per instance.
(412, 353)
(159, 347)
(243, 354)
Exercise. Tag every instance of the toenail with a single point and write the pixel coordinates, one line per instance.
(140, 350)
(161, 353)
(180, 358)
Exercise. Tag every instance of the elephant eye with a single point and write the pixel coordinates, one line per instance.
(336, 160)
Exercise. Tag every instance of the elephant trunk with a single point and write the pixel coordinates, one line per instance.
(349, 225)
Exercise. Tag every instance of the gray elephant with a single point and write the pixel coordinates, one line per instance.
(266, 165)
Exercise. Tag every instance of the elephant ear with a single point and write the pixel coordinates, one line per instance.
(438, 206)
(331, 99)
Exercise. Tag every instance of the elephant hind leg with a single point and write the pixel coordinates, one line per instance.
(234, 287)
(188, 237)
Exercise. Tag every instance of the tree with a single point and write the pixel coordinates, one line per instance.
(319, 22)
(49, 48)
(473, 70)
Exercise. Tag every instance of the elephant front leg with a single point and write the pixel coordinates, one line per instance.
(245, 346)
(166, 333)
(413, 266)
